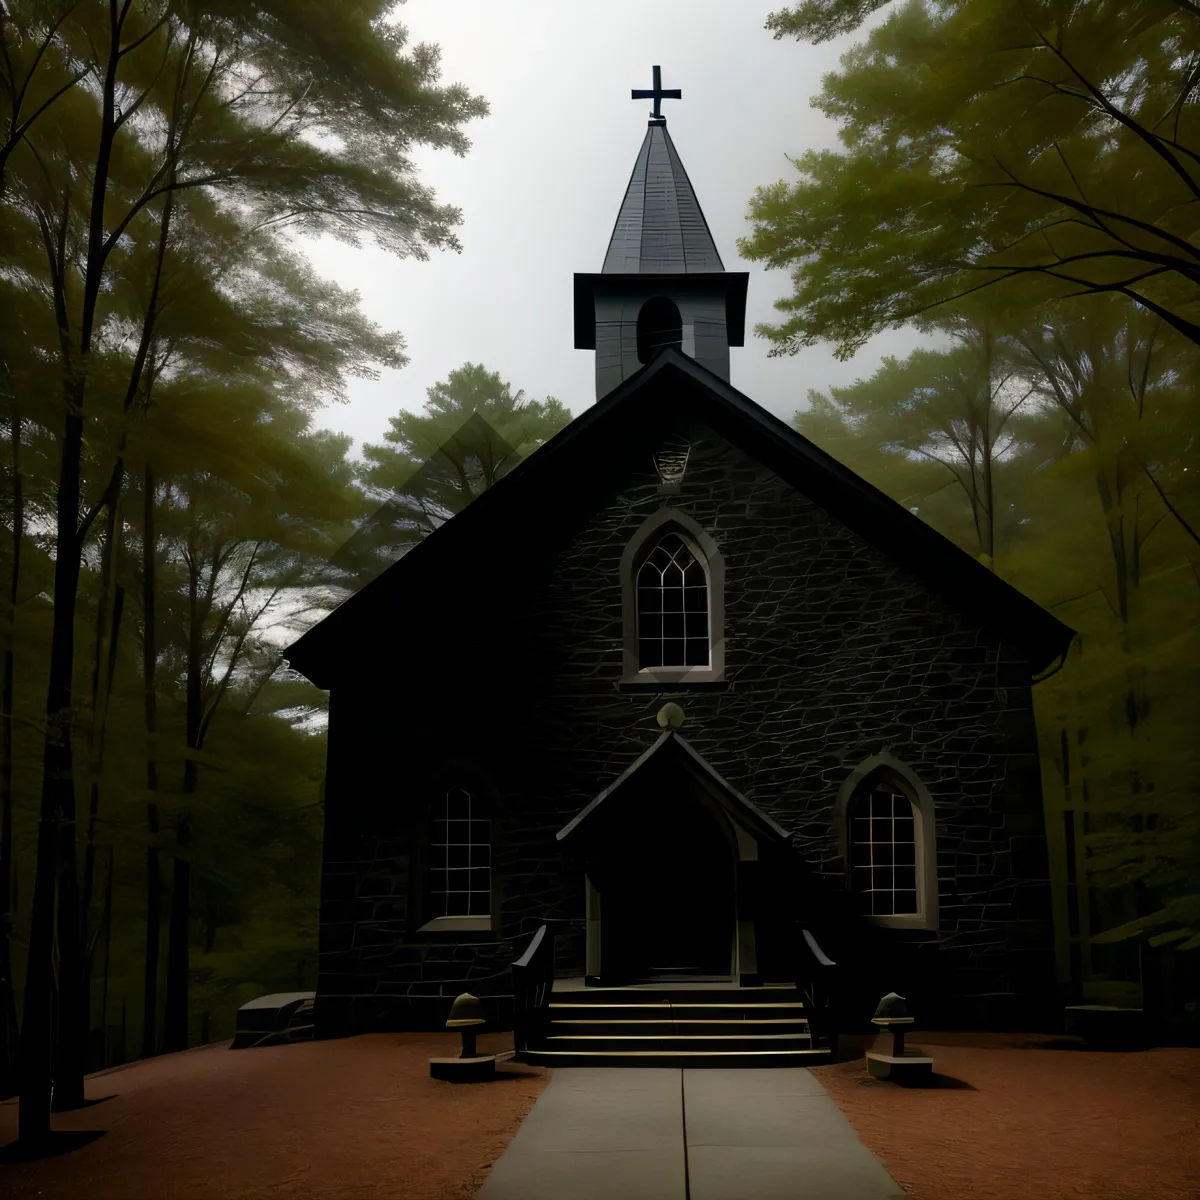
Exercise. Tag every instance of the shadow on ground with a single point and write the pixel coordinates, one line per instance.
(500, 1076)
(933, 1082)
(86, 1103)
(61, 1141)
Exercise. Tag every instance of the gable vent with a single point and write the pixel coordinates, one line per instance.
(671, 464)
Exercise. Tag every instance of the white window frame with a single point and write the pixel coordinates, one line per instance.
(710, 560)
(469, 921)
(907, 782)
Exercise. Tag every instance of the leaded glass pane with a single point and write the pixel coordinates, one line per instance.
(459, 857)
(883, 852)
(672, 583)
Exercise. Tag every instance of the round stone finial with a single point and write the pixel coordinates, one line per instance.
(670, 716)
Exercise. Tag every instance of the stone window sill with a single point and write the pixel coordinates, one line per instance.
(667, 678)
(457, 925)
(905, 922)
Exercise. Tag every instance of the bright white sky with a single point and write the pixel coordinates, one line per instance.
(542, 183)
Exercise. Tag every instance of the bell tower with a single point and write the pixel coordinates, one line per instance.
(662, 283)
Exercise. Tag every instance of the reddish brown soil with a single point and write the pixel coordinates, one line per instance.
(1039, 1120)
(360, 1119)
(352, 1119)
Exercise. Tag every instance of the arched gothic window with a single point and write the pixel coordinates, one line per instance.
(672, 602)
(884, 851)
(672, 606)
(659, 324)
(460, 856)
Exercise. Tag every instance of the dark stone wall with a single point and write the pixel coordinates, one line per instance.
(834, 653)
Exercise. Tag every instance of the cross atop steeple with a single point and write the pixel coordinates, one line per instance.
(657, 94)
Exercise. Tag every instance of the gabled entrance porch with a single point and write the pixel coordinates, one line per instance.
(671, 857)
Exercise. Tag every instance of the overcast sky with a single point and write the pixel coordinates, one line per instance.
(542, 183)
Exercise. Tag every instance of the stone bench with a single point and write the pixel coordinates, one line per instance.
(275, 1020)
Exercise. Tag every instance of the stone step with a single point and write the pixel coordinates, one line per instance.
(711, 1010)
(676, 1042)
(668, 994)
(571, 1027)
(678, 1059)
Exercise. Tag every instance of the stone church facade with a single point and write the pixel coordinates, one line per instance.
(857, 754)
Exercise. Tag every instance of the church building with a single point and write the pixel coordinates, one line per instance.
(680, 687)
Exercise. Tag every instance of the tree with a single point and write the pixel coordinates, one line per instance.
(240, 541)
(1054, 152)
(472, 432)
(230, 104)
(1114, 374)
(1098, 482)
(952, 410)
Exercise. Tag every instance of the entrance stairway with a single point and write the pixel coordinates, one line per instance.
(675, 1025)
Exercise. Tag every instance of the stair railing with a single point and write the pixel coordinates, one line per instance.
(817, 981)
(533, 981)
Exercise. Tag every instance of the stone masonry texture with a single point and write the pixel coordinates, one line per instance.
(834, 652)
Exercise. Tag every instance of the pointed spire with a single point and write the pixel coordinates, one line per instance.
(660, 227)
(663, 282)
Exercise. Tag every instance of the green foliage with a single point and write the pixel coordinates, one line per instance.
(819, 20)
(1092, 489)
(1052, 152)
(164, 351)
(472, 432)
(942, 424)
(520, 426)
(1019, 195)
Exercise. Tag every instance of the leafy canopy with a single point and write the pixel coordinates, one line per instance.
(1049, 148)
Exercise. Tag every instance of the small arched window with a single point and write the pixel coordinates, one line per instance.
(672, 606)
(460, 856)
(884, 850)
(659, 324)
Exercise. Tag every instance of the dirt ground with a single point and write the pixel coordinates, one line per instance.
(1020, 1116)
(1012, 1117)
(352, 1119)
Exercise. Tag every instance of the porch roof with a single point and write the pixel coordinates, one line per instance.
(671, 747)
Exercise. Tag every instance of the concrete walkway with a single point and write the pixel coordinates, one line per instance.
(601, 1133)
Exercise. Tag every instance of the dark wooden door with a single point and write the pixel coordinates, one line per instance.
(667, 910)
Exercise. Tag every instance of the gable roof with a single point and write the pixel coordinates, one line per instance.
(671, 378)
(673, 749)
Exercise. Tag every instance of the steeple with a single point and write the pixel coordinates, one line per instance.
(660, 226)
(662, 282)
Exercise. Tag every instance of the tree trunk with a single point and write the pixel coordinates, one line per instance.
(108, 626)
(149, 672)
(108, 898)
(56, 830)
(56, 851)
(153, 922)
(177, 947)
(176, 1016)
(986, 441)
(9, 1033)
